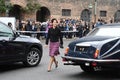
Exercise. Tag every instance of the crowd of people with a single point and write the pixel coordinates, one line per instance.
(70, 27)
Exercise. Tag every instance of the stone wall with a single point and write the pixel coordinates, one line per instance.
(21, 3)
(77, 6)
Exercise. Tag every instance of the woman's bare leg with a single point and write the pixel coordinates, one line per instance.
(51, 62)
(56, 62)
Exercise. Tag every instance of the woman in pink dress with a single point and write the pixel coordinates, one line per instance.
(54, 39)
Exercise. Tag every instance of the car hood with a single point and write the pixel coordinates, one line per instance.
(24, 38)
(94, 40)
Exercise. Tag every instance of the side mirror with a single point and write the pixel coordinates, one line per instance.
(17, 34)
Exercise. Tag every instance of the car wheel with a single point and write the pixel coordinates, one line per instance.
(87, 68)
(33, 57)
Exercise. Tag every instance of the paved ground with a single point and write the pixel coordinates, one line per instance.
(19, 72)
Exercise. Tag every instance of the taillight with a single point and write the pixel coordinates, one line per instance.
(96, 53)
(66, 50)
(94, 64)
(65, 53)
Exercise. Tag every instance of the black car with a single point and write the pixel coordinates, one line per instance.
(98, 50)
(19, 48)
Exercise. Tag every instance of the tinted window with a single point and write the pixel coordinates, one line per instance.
(107, 31)
(5, 31)
(108, 46)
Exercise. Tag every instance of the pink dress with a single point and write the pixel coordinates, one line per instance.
(54, 49)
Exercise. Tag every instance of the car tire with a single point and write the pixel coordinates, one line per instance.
(87, 68)
(33, 57)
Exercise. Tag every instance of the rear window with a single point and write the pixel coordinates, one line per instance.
(89, 50)
(107, 31)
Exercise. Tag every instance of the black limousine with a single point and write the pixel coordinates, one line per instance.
(98, 50)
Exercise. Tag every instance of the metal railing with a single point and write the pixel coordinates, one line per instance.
(35, 32)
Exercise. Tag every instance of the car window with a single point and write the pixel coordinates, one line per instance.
(108, 46)
(107, 31)
(5, 31)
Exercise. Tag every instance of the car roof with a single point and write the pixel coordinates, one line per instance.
(111, 25)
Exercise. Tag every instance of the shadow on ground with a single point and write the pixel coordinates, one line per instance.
(101, 75)
(13, 66)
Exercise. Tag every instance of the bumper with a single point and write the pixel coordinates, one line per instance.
(90, 60)
(78, 61)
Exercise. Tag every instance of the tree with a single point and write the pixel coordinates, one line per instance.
(2, 6)
(32, 6)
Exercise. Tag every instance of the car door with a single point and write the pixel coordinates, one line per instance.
(2, 50)
(15, 50)
(10, 48)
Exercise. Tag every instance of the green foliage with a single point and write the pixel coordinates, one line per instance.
(2, 6)
(32, 6)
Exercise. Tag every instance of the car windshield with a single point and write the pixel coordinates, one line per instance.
(105, 31)
(5, 31)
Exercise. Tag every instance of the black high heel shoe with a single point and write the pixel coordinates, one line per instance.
(56, 64)
(48, 70)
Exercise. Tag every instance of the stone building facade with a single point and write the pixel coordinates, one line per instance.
(76, 9)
